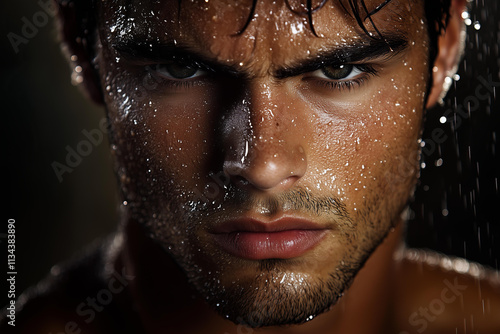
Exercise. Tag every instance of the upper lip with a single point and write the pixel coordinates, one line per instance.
(254, 225)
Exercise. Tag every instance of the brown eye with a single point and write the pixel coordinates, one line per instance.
(338, 72)
(177, 71)
(345, 76)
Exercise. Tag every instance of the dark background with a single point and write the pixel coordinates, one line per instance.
(466, 185)
(43, 115)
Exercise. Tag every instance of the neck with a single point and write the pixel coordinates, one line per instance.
(166, 302)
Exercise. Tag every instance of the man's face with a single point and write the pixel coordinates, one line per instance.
(268, 163)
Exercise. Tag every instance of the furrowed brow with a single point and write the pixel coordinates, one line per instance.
(363, 50)
(165, 52)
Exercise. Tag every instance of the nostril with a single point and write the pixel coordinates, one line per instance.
(289, 181)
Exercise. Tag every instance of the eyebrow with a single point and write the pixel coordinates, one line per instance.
(170, 51)
(360, 50)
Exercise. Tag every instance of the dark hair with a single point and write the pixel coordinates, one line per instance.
(437, 13)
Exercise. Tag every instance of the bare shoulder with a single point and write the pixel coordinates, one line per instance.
(437, 293)
(40, 309)
(77, 297)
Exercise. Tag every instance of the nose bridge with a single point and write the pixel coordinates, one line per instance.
(269, 136)
(264, 153)
(265, 102)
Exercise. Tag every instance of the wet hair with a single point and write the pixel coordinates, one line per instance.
(437, 13)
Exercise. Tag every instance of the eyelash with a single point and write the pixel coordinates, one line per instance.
(340, 85)
(183, 83)
(152, 72)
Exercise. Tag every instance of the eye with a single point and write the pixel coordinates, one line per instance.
(338, 72)
(342, 77)
(176, 71)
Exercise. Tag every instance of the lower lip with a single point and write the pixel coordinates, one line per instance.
(269, 245)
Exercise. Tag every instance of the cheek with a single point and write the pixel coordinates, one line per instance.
(165, 137)
(162, 141)
(184, 136)
(369, 150)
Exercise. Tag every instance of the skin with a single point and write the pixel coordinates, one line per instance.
(255, 139)
(273, 138)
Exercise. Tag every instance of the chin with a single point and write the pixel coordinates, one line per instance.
(273, 293)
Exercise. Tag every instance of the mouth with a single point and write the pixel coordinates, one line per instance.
(252, 239)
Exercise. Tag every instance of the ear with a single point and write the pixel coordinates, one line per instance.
(450, 49)
(78, 51)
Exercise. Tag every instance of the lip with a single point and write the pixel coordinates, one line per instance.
(252, 239)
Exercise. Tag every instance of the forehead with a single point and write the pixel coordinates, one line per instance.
(278, 30)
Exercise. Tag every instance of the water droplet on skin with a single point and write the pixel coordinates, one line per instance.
(357, 144)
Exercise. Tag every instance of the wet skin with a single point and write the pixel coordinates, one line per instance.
(213, 130)
(292, 125)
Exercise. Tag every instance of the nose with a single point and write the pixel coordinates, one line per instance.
(267, 166)
(263, 149)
